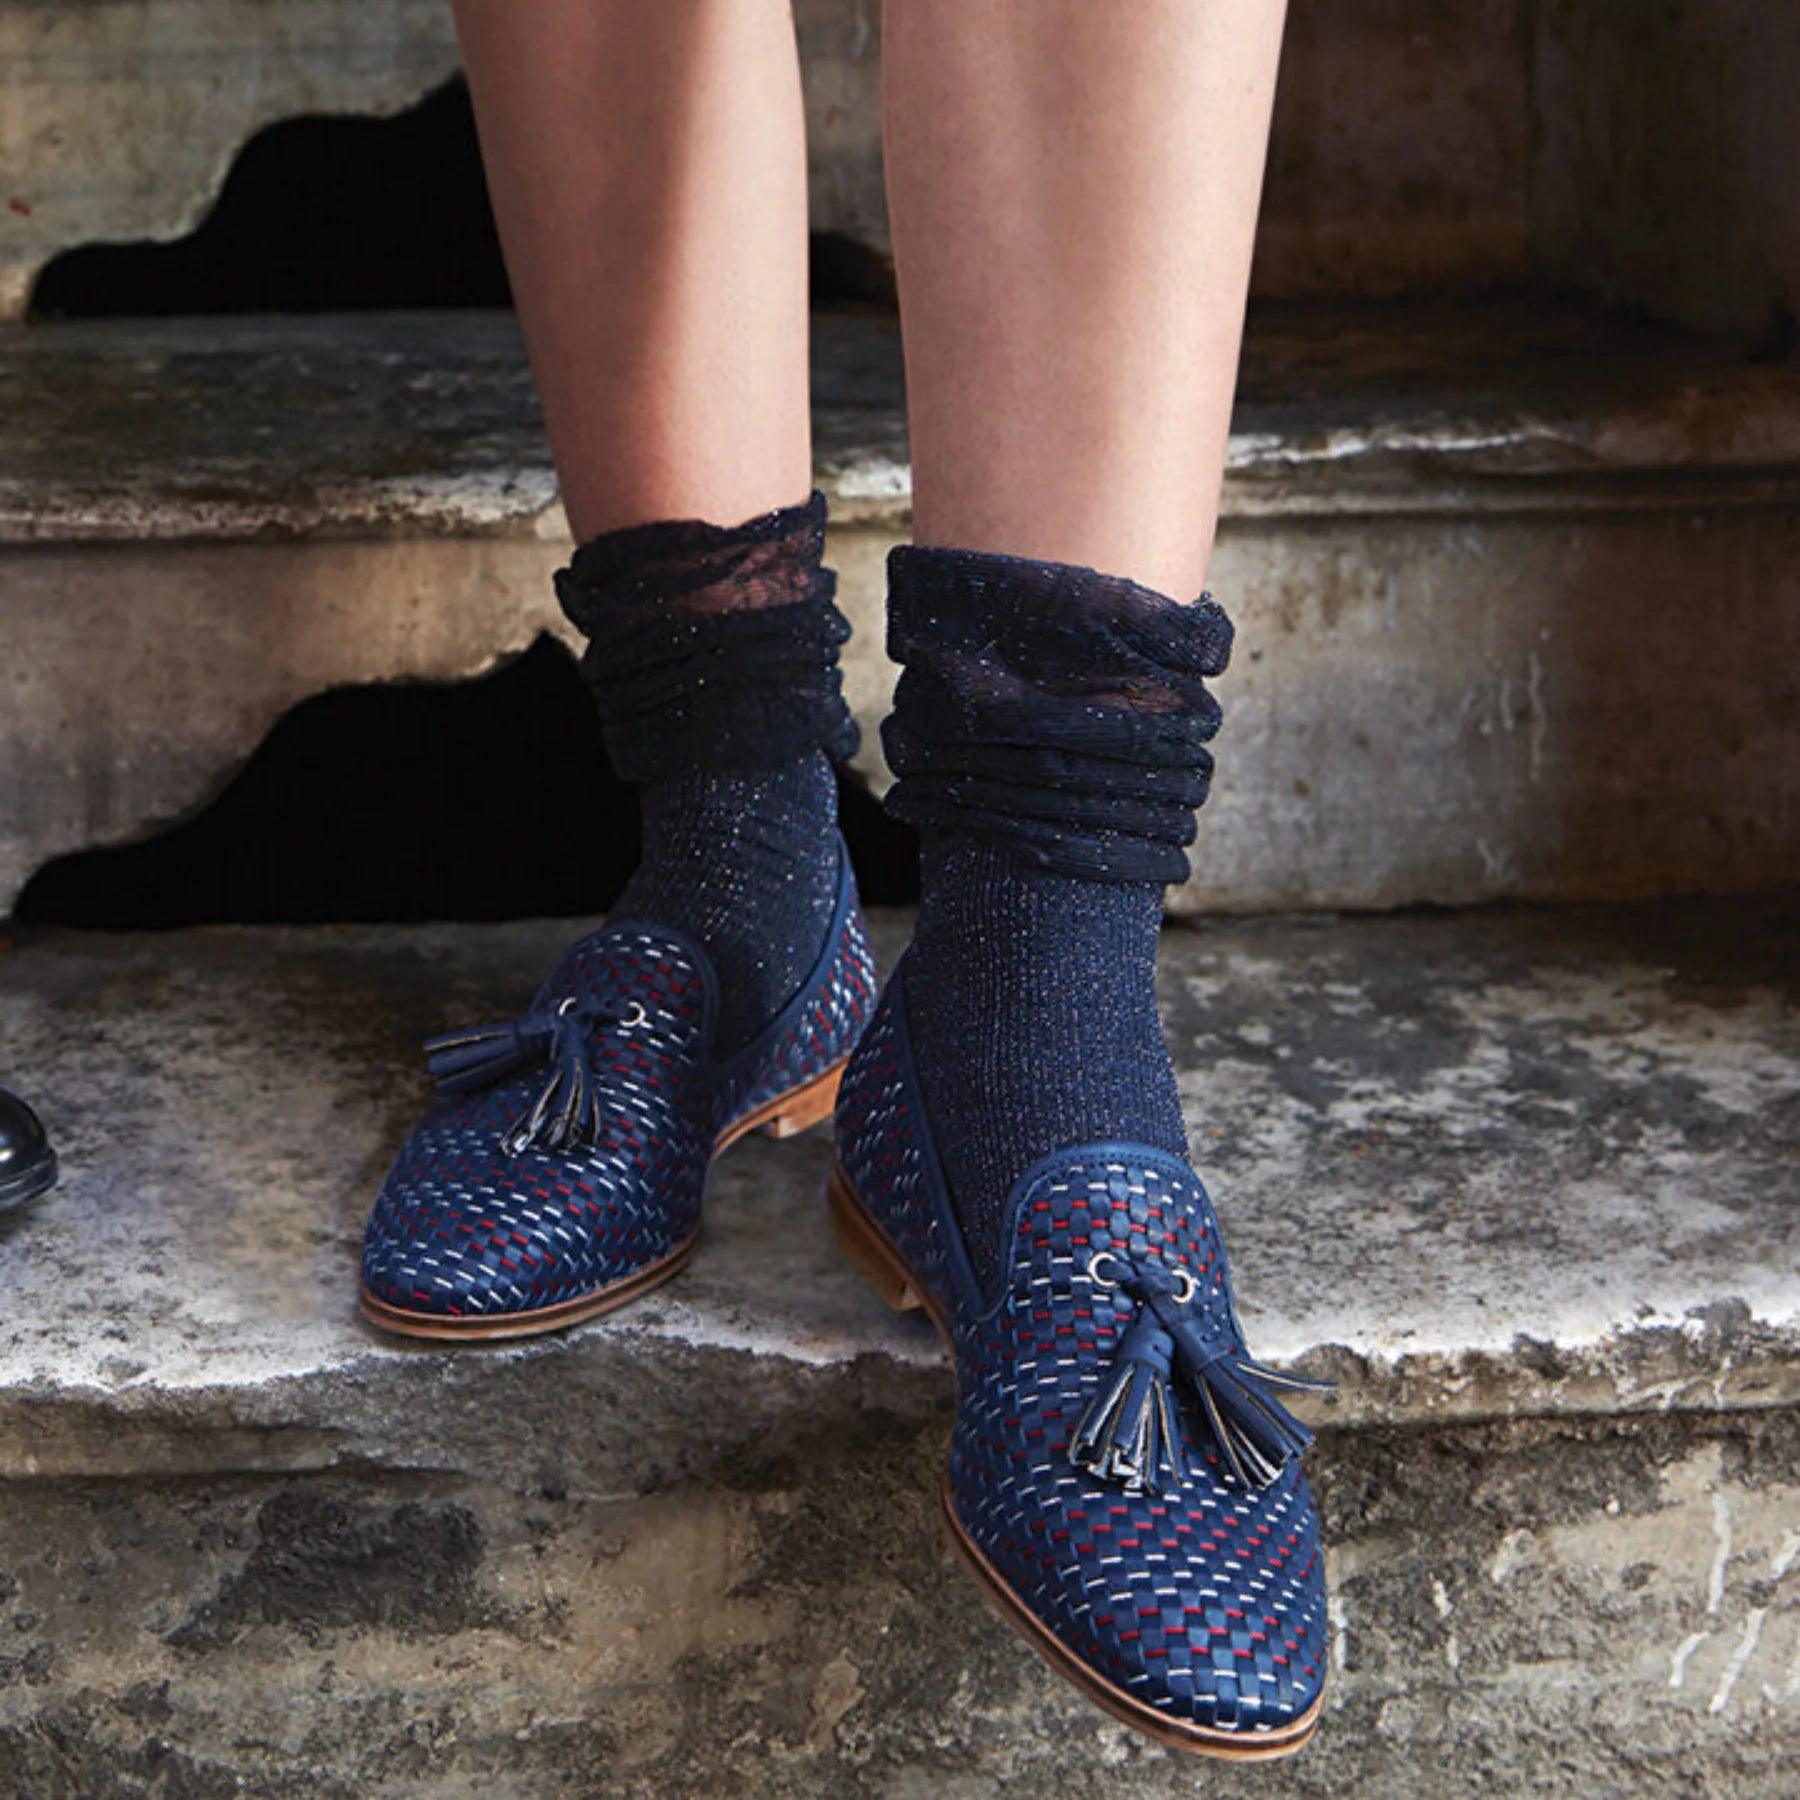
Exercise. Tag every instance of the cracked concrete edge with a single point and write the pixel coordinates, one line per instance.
(654, 1409)
(128, 118)
(125, 119)
(1504, 758)
(1586, 1610)
(1522, 1162)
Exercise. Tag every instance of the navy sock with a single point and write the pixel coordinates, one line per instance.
(746, 863)
(713, 656)
(1049, 737)
(1031, 1002)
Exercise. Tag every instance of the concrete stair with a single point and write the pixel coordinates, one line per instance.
(1527, 1183)
(1515, 574)
(1516, 585)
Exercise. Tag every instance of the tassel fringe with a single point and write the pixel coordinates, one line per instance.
(1128, 1433)
(462, 1061)
(565, 1113)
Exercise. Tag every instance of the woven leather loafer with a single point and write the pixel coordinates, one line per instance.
(27, 1163)
(562, 1173)
(1122, 1481)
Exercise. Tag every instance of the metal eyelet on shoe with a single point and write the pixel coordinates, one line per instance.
(1186, 1286)
(1093, 1268)
(634, 1017)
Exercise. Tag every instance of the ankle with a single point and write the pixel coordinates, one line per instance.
(713, 657)
(1031, 1000)
(747, 865)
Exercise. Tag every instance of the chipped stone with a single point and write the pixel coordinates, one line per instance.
(1509, 1157)
(1461, 576)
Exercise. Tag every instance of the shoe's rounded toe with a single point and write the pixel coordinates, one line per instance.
(467, 1231)
(27, 1162)
(1163, 1558)
(1199, 1615)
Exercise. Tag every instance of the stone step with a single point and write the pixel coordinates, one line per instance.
(1476, 1166)
(1517, 588)
(1525, 1182)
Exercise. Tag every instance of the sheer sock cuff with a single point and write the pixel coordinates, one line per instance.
(1054, 712)
(712, 648)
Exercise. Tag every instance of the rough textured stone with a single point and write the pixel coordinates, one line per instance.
(1472, 553)
(1548, 706)
(346, 426)
(1640, 153)
(121, 120)
(425, 424)
(1422, 189)
(1475, 1167)
(1526, 1181)
(1585, 1612)
(308, 504)
(1662, 170)
(122, 117)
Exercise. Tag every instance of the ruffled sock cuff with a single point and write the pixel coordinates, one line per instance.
(712, 648)
(1054, 712)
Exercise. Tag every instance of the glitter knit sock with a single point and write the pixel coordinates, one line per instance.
(1031, 1000)
(748, 865)
(713, 656)
(1049, 733)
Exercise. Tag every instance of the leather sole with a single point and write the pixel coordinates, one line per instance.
(785, 1116)
(868, 1246)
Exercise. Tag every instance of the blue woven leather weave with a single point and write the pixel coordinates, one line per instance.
(476, 1223)
(1198, 1594)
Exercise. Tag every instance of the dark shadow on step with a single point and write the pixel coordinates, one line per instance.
(335, 214)
(316, 215)
(479, 800)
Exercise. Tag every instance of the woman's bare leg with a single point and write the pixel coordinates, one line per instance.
(1074, 190)
(648, 169)
(647, 164)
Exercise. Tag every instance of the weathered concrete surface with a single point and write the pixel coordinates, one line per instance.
(121, 120)
(1477, 1168)
(1400, 149)
(425, 424)
(122, 117)
(345, 425)
(1470, 551)
(1663, 165)
(1537, 1164)
(1533, 707)
(1587, 1612)
(1415, 146)
(309, 504)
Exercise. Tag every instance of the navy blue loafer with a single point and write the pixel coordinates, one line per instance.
(562, 1172)
(1123, 1480)
(27, 1163)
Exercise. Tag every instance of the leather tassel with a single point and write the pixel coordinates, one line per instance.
(1254, 1431)
(548, 1125)
(1128, 1433)
(565, 1111)
(462, 1061)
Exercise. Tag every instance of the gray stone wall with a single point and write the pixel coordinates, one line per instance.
(1643, 153)
(1666, 167)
